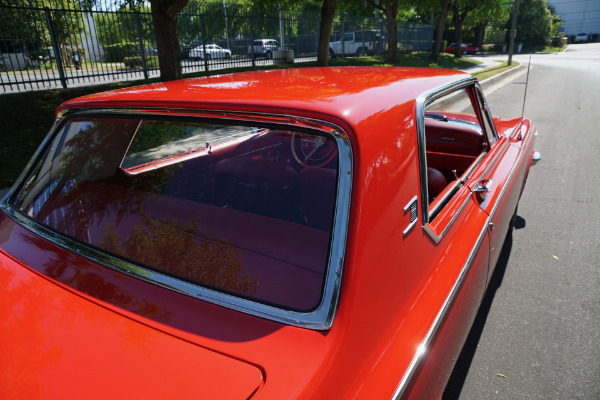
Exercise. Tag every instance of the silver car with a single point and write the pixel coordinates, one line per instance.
(211, 50)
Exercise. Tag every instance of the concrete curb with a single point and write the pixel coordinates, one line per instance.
(497, 78)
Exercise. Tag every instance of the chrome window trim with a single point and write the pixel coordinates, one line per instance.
(319, 319)
(485, 108)
(456, 185)
(422, 102)
(435, 326)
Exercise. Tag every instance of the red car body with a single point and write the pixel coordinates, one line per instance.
(465, 49)
(405, 273)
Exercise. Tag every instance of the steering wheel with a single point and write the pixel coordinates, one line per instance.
(311, 150)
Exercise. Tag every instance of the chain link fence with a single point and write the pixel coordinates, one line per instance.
(46, 44)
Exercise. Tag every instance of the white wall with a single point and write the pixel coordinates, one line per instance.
(578, 15)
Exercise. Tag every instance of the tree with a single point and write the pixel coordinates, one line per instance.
(390, 10)
(460, 11)
(164, 17)
(557, 21)
(437, 45)
(534, 22)
(474, 14)
(327, 14)
(33, 34)
(490, 13)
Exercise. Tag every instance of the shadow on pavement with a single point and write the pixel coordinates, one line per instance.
(461, 368)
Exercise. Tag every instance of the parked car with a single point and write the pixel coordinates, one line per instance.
(211, 50)
(582, 37)
(184, 48)
(360, 43)
(465, 49)
(263, 48)
(301, 233)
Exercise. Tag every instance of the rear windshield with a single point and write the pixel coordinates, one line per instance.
(245, 210)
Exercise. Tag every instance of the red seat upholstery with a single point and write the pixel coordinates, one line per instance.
(436, 182)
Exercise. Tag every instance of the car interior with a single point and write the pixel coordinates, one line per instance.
(454, 139)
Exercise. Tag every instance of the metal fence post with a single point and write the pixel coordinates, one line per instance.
(141, 43)
(203, 34)
(252, 56)
(364, 33)
(343, 41)
(61, 72)
(110, 35)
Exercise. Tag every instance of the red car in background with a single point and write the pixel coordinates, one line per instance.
(323, 233)
(465, 49)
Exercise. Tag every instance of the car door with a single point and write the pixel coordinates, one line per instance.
(500, 179)
(452, 146)
(455, 147)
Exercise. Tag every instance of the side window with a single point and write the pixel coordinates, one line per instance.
(455, 140)
(348, 37)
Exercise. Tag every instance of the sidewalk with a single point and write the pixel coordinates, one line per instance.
(487, 61)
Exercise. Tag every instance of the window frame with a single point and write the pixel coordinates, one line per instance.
(320, 318)
(437, 230)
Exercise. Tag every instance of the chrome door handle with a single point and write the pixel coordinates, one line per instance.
(483, 188)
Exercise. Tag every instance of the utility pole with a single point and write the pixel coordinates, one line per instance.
(513, 32)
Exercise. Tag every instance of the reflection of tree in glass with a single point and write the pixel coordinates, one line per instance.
(153, 134)
(96, 151)
(88, 160)
(179, 249)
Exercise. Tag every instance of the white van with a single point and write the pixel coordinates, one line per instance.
(360, 43)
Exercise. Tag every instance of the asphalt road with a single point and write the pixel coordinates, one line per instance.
(537, 334)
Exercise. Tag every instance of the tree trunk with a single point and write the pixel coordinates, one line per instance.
(479, 36)
(327, 14)
(459, 19)
(391, 11)
(437, 46)
(164, 17)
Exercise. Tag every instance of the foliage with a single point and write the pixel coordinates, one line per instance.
(534, 22)
(201, 259)
(33, 33)
(119, 52)
(491, 13)
(556, 22)
(133, 62)
(124, 26)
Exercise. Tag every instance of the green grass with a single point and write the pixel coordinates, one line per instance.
(486, 73)
(541, 49)
(26, 117)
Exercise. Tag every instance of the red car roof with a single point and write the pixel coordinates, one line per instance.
(350, 93)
